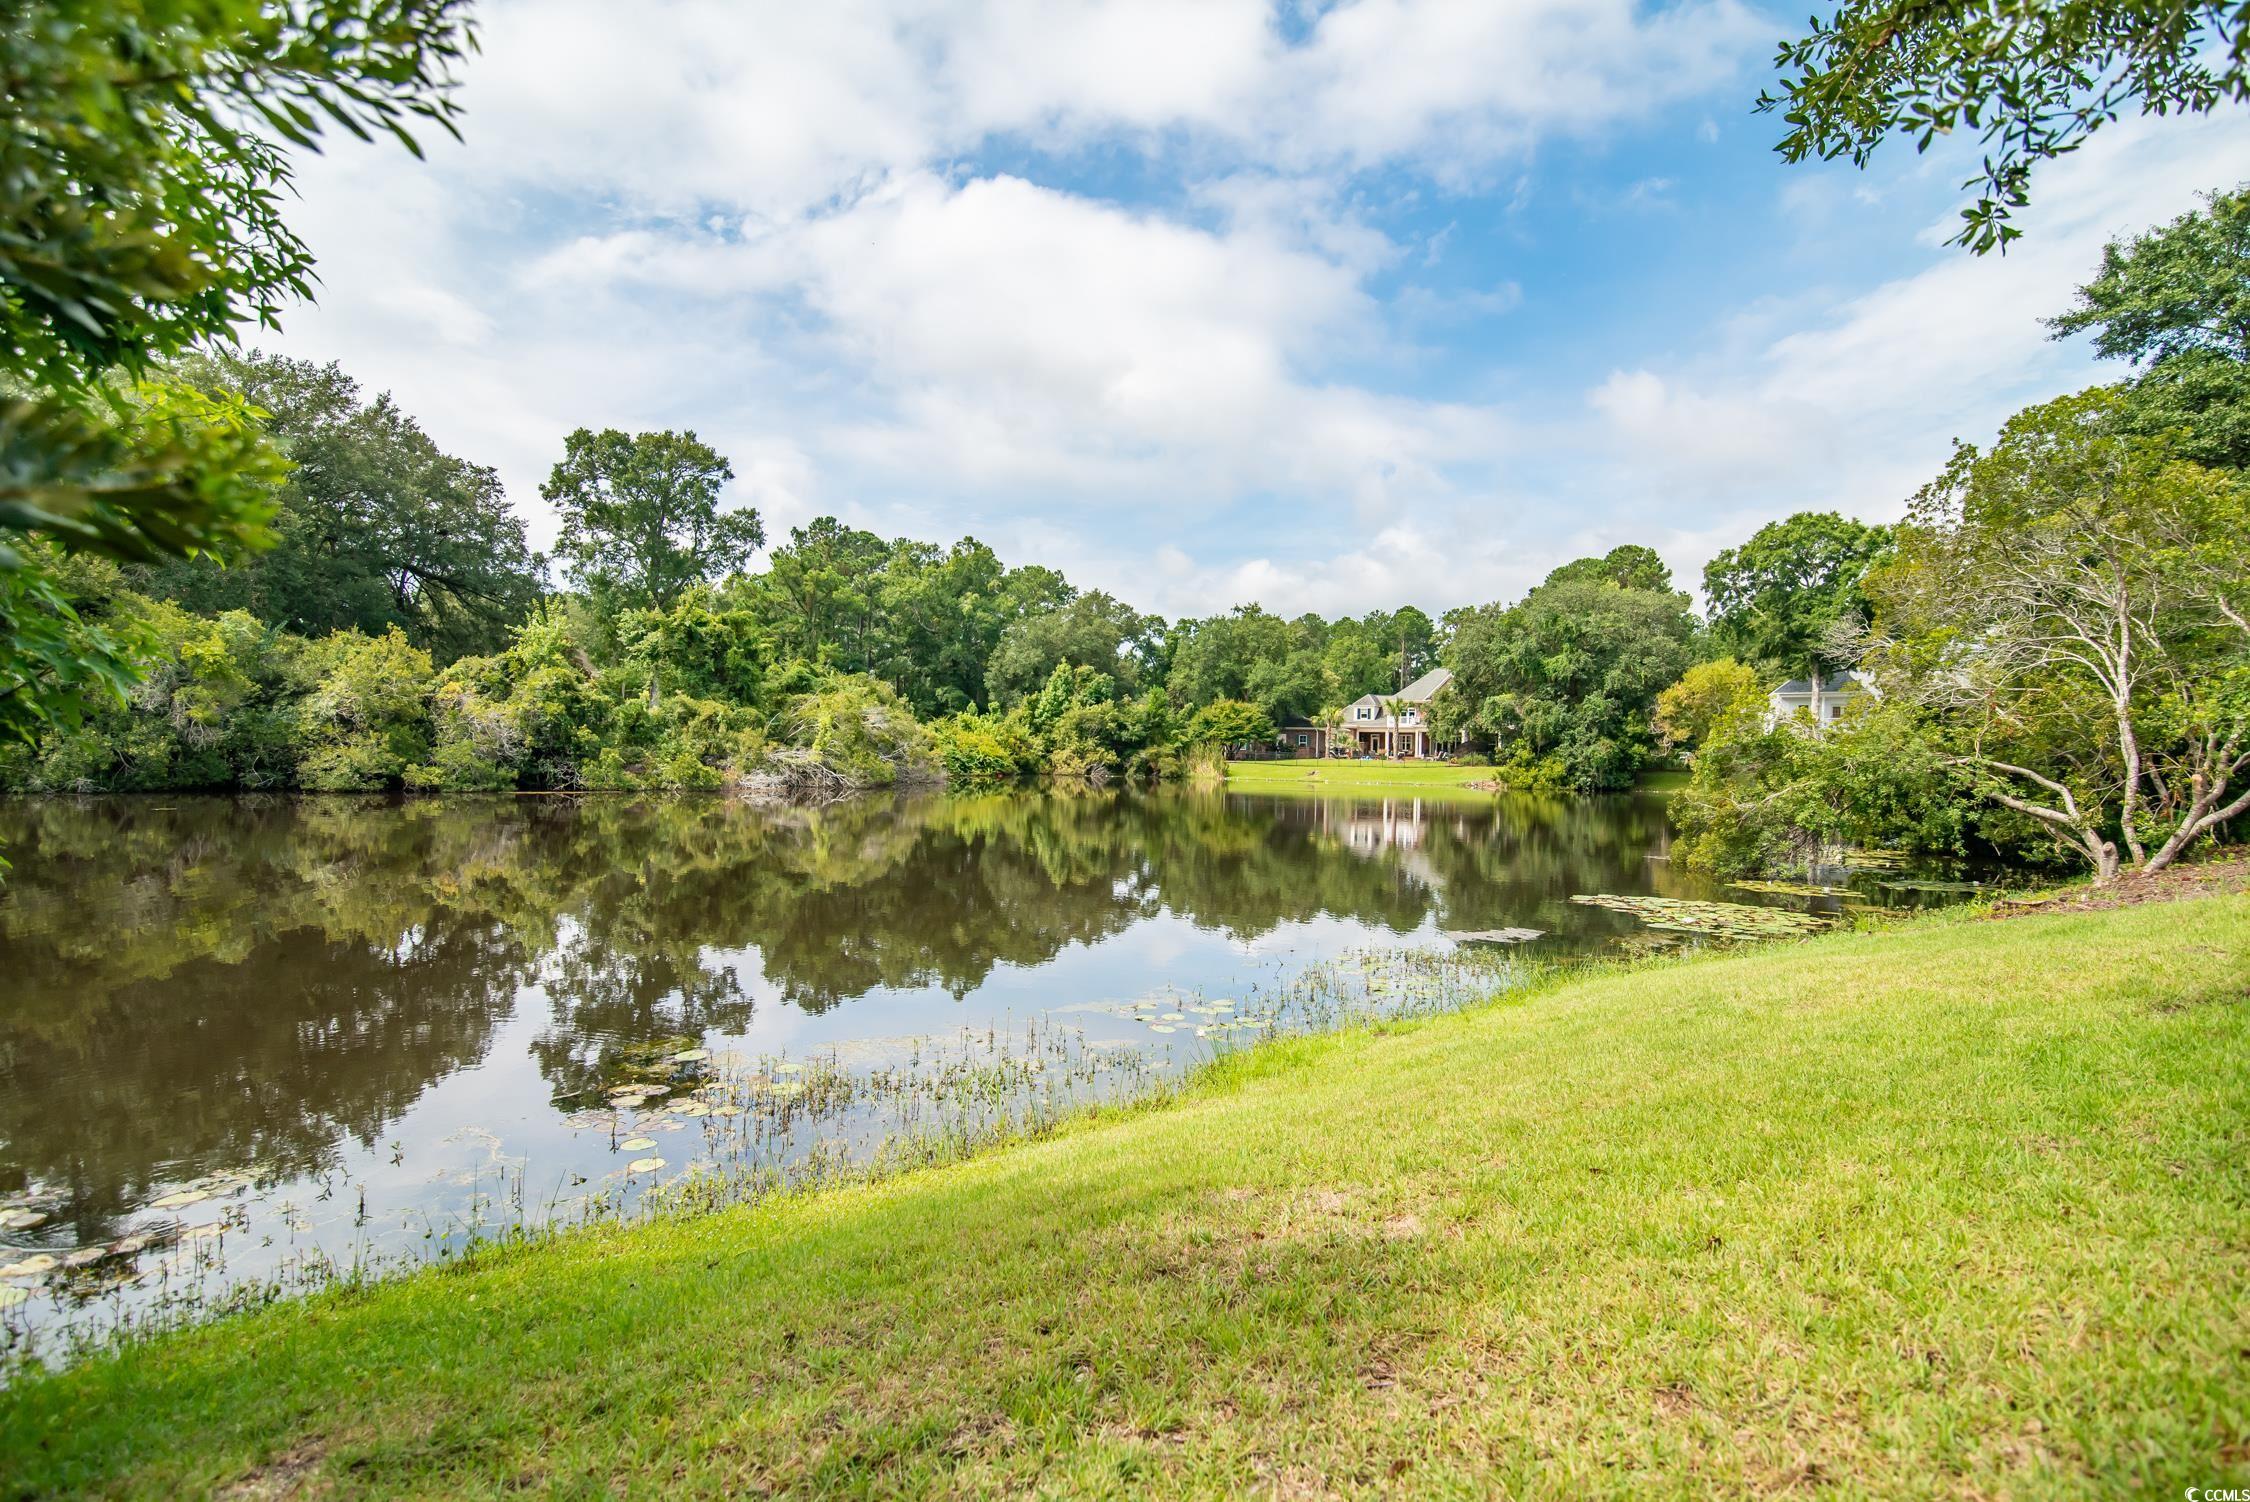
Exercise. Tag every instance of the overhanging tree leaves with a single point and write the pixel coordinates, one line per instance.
(171, 472)
(145, 164)
(142, 175)
(2032, 78)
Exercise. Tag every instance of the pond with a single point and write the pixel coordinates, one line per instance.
(248, 1045)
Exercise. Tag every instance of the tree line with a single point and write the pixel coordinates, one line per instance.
(2056, 640)
(2056, 632)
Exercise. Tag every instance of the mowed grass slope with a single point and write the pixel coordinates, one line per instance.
(1347, 776)
(1959, 1209)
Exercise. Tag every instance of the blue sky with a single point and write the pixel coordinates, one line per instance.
(1206, 301)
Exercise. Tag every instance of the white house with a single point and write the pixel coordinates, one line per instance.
(1396, 725)
(1825, 702)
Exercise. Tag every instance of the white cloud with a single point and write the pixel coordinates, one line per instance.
(1461, 87)
(1858, 403)
(742, 217)
(1403, 562)
(771, 107)
(1010, 335)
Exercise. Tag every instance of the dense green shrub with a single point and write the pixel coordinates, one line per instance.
(859, 730)
(367, 718)
(981, 749)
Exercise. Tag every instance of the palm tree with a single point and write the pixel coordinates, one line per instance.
(1393, 709)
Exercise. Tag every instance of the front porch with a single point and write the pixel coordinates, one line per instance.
(1386, 744)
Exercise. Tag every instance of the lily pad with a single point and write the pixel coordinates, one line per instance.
(1162, 1027)
(1923, 885)
(1715, 920)
(10, 1297)
(1790, 888)
(636, 1144)
(29, 1267)
(1496, 935)
(179, 1198)
(691, 1056)
(644, 1165)
(21, 1220)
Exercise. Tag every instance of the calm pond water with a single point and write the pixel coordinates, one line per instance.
(248, 1043)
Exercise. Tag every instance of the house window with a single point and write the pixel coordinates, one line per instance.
(1304, 740)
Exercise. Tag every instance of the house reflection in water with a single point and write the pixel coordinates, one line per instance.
(1399, 826)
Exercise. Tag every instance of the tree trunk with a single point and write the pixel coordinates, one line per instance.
(2204, 815)
(1816, 700)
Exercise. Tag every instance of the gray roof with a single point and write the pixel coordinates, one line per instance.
(1423, 689)
(1848, 681)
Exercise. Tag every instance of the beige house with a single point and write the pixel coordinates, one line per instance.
(1393, 725)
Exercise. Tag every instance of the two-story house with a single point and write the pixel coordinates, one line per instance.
(1394, 725)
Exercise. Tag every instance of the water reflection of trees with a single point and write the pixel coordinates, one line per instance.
(232, 982)
(187, 996)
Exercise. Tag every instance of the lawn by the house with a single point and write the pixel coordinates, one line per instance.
(1954, 1209)
(1346, 775)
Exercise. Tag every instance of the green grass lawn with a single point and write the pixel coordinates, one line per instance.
(1957, 1208)
(1345, 776)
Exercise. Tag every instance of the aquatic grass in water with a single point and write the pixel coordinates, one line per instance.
(696, 1129)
